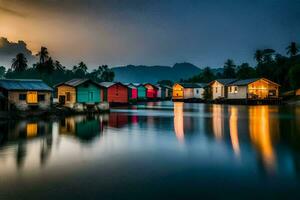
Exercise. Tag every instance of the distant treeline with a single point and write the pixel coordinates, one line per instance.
(281, 69)
(53, 72)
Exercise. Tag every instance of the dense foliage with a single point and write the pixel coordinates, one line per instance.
(284, 70)
(53, 72)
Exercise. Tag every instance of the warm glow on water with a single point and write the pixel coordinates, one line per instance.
(179, 121)
(226, 148)
(260, 134)
(218, 121)
(233, 126)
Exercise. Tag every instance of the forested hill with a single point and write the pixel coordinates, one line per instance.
(141, 73)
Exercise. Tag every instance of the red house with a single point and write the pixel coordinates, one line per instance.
(115, 92)
(151, 92)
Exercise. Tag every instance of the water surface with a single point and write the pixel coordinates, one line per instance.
(155, 150)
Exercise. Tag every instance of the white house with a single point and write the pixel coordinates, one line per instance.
(258, 88)
(199, 91)
(219, 88)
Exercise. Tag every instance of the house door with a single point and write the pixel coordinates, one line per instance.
(91, 96)
(62, 99)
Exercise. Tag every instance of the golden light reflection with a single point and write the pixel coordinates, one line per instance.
(178, 121)
(218, 121)
(233, 126)
(31, 129)
(260, 134)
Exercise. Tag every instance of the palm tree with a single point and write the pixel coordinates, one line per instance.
(43, 54)
(19, 63)
(229, 69)
(258, 56)
(292, 49)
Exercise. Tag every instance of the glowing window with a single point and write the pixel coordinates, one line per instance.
(31, 129)
(32, 97)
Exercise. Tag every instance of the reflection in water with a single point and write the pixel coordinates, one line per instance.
(125, 141)
(84, 128)
(218, 121)
(178, 120)
(260, 134)
(233, 127)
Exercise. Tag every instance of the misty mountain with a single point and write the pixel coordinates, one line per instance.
(141, 73)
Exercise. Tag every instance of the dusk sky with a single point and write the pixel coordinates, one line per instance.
(157, 32)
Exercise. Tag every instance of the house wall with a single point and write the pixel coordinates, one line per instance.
(117, 94)
(262, 89)
(88, 93)
(188, 93)
(62, 91)
(13, 99)
(178, 92)
(132, 93)
(218, 90)
(198, 93)
(241, 92)
(159, 92)
(141, 92)
(151, 92)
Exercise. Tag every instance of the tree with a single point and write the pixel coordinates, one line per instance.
(294, 75)
(19, 63)
(292, 49)
(80, 71)
(268, 55)
(43, 54)
(258, 56)
(2, 71)
(229, 69)
(245, 71)
(207, 75)
(165, 82)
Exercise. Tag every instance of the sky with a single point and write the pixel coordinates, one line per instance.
(143, 32)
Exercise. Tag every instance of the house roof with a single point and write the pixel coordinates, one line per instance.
(248, 81)
(76, 82)
(151, 85)
(24, 84)
(226, 81)
(191, 85)
(109, 84)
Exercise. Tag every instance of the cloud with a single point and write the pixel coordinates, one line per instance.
(8, 50)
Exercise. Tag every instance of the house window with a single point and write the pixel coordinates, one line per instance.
(216, 89)
(197, 91)
(235, 89)
(91, 96)
(41, 97)
(32, 97)
(22, 97)
(68, 94)
(230, 89)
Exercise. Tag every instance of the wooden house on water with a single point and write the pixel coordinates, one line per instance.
(163, 91)
(82, 91)
(219, 88)
(115, 92)
(141, 90)
(183, 91)
(257, 89)
(24, 94)
(151, 91)
(132, 92)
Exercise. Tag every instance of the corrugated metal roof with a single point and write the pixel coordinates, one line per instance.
(226, 81)
(248, 81)
(107, 84)
(24, 84)
(244, 81)
(76, 82)
(190, 85)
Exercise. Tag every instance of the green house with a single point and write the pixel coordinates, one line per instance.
(79, 91)
(141, 90)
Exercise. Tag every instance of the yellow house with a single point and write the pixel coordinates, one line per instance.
(187, 91)
(258, 88)
(24, 94)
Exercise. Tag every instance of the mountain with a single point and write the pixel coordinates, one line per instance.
(141, 73)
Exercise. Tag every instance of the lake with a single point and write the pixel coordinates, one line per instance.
(155, 150)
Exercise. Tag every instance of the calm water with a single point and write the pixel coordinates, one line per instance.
(156, 150)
